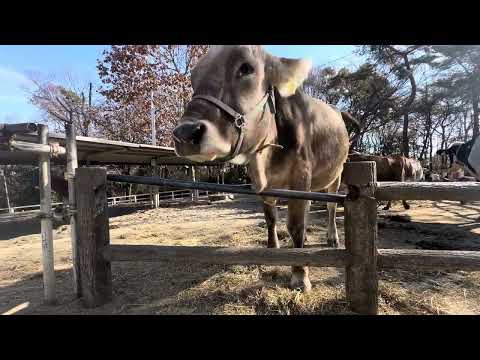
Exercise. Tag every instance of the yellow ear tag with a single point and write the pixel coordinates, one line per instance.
(292, 86)
(289, 88)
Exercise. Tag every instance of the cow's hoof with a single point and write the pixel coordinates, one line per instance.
(300, 281)
(332, 243)
(304, 286)
(406, 207)
(273, 245)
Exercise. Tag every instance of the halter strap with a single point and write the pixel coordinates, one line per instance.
(238, 118)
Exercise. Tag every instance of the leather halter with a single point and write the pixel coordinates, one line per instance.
(238, 119)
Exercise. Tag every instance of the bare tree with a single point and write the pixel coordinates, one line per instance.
(61, 103)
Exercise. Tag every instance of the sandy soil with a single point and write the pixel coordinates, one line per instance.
(170, 288)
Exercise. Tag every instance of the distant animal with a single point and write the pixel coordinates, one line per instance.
(466, 154)
(59, 186)
(432, 177)
(393, 168)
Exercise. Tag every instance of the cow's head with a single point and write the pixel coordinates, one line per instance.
(239, 77)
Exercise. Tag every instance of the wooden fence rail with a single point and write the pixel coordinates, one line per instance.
(319, 257)
(115, 200)
(454, 191)
(227, 256)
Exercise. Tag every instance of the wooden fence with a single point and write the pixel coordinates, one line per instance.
(176, 195)
(360, 257)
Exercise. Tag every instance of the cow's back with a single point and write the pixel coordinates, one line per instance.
(387, 169)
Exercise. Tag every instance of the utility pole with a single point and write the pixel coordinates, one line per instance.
(156, 195)
(152, 116)
(90, 96)
(85, 121)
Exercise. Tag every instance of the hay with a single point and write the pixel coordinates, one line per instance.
(169, 288)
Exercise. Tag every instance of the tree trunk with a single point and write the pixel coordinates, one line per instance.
(405, 149)
(430, 166)
(465, 126)
(476, 112)
(428, 130)
(444, 146)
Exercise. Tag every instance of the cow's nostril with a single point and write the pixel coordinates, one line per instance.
(177, 134)
(190, 133)
(197, 133)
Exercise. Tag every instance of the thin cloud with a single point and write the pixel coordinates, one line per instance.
(12, 76)
(13, 98)
(11, 118)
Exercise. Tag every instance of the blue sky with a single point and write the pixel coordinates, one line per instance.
(17, 62)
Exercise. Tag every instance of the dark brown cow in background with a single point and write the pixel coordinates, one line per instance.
(59, 186)
(393, 168)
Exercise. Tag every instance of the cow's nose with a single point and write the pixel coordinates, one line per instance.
(190, 132)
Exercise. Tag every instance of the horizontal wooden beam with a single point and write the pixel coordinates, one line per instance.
(428, 259)
(387, 258)
(49, 149)
(228, 255)
(18, 128)
(454, 191)
(235, 189)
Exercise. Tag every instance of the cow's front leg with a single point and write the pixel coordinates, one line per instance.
(405, 205)
(388, 205)
(297, 214)
(270, 211)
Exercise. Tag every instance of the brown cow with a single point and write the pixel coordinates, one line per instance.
(248, 109)
(393, 168)
(59, 186)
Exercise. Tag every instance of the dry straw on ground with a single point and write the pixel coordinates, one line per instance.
(170, 288)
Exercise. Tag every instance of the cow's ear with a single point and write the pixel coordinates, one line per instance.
(287, 75)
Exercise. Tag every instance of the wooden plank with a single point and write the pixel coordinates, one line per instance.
(429, 259)
(18, 128)
(92, 235)
(454, 191)
(228, 255)
(360, 239)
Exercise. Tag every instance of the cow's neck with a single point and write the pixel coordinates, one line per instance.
(259, 160)
(262, 143)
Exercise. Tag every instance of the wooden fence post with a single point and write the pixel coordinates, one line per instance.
(92, 235)
(72, 164)
(45, 186)
(361, 284)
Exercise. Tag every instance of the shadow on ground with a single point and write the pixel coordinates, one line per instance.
(134, 285)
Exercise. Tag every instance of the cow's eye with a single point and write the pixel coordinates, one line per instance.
(245, 69)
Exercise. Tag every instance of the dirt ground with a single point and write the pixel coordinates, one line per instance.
(174, 288)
